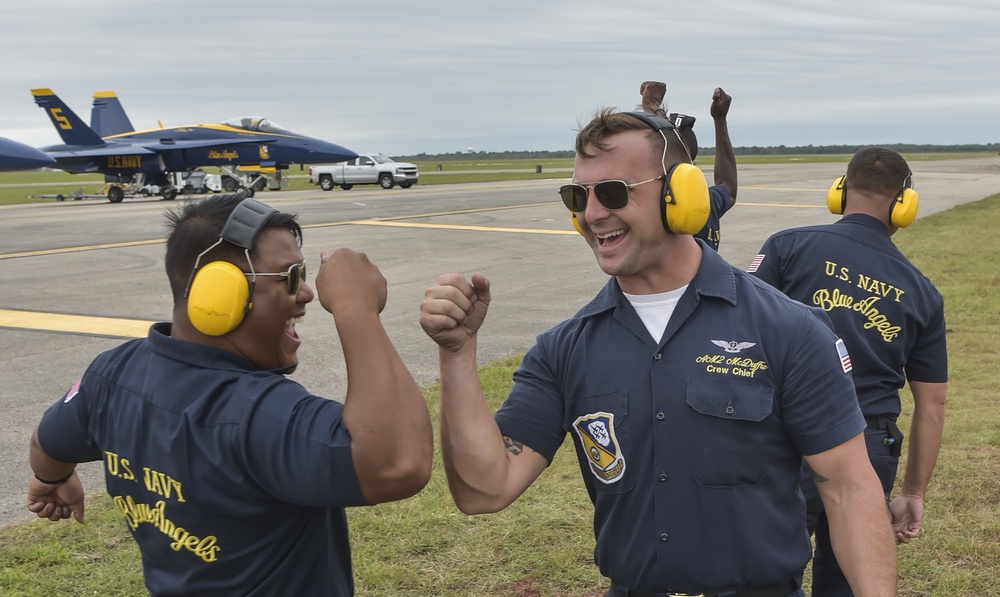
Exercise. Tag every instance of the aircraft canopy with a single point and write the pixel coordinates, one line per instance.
(255, 123)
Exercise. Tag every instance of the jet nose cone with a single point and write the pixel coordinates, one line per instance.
(18, 156)
(323, 152)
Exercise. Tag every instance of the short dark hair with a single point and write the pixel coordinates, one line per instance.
(879, 171)
(685, 128)
(197, 225)
(607, 122)
(690, 141)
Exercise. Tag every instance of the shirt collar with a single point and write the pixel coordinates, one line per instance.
(864, 220)
(199, 355)
(715, 278)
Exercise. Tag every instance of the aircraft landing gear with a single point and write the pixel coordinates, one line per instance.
(169, 193)
(115, 194)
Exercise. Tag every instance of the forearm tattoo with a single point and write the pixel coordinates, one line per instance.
(513, 446)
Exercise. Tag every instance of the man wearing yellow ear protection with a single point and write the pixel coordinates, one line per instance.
(233, 478)
(722, 194)
(891, 319)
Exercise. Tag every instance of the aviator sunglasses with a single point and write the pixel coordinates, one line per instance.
(295, 275)
(613, 194)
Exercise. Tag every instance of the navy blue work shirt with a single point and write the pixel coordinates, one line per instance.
(233, 480)
(690, 448)
(890, 315)
(720, 201)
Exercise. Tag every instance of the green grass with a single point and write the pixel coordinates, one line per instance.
(543, 544)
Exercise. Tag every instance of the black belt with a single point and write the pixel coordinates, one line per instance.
(782, 590)
(873, 422)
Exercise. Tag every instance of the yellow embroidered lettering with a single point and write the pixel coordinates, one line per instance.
(111, 461)
(832, 271)
(127, 473)
(162, 484)
(710, 358)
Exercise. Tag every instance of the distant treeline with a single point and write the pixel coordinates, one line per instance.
(752, 150)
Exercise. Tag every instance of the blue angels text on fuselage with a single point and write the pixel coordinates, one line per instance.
(18, 156)
(112, 147)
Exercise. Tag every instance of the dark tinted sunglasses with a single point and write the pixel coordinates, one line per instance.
(613, 194)
(295, 275)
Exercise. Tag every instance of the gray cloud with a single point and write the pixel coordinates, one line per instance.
(405, 78)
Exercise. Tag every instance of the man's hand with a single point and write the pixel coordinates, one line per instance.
(653, 93)
(348, 278)
(907, 514)
(720, 103)
(56, 502)
(453, 309)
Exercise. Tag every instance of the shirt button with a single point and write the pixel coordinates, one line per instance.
(660, 416)
(657, 356)
(664, 536)
(663, 476)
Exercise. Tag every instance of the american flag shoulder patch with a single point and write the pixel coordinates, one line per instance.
(845, 359)
(73, 391)
(755, 263)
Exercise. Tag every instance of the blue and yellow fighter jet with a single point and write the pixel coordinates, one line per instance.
(18, 156)
(248, 150)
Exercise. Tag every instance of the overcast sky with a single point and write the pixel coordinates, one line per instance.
(405, 77)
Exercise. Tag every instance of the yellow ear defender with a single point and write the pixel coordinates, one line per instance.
(219, 294)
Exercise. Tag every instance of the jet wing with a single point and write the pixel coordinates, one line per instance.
(71, 151)
(173, 145)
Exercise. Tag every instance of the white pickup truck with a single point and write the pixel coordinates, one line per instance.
(373, 168)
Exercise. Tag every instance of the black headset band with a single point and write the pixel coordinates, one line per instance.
(652, 120)
(246, 222)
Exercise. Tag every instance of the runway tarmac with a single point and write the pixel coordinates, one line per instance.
(65, 264)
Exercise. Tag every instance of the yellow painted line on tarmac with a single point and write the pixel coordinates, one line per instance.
(75, 324)
(796, 205)
(791, 190)
(461, 227)
(391, 222)
(133, 243)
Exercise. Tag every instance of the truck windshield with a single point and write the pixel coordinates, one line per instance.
(382, 159)
(255, 123)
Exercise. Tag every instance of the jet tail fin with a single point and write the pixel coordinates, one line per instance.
(108, 117)
(69, 126)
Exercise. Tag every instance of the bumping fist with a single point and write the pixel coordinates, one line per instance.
(454, 308)
(347, 278)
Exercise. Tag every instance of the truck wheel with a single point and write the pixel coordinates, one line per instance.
(229, 184)
(406, 185)
(326, 182)
(116, 194)
(385, 179)
(347, 187)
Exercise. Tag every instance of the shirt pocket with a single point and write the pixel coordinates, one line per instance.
(600, 428)
(729, 432)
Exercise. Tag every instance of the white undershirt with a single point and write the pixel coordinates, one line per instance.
(655, 309)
